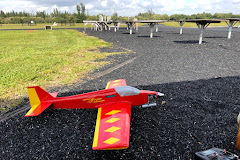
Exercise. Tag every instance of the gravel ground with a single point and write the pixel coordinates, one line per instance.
(202, 88)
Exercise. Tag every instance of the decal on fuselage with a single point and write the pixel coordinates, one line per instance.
(111, 96)
(94, 100)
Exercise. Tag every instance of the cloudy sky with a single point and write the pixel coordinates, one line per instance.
(125, 7)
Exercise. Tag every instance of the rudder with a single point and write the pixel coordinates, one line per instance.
(37, 96)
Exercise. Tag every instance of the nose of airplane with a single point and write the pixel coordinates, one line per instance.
(160, 94)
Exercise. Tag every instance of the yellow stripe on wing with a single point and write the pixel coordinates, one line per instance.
(107, 85)
(96, 133)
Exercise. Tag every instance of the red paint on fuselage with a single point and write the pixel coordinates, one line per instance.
(98, 99)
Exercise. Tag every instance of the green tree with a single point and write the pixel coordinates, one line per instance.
(178, 17)
(81, 15)
(115, 16)
(150, 13)
(2, 14)
(41, 14)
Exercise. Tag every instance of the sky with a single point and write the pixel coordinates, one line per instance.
(125, 7)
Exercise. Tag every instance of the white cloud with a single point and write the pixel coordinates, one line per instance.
(180, 4)
(89, 6)
(116, 1)
(8, 5)
(147, 3)
(205, 4)
(104, 3)
(42, 8)
(166, 5)
(125, 7)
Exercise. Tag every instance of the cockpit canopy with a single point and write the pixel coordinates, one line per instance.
(127, 91)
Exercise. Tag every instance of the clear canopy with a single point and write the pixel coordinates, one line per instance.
(127, 91)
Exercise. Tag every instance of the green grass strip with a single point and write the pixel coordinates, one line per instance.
(40, 26)
(45, 58)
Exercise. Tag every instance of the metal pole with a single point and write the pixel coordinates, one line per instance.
(151, 30)
(201, 33)
(131, 29)
(118, 26)
(230, 32)
(115, 27)
(136, 26)
(230, 29)
(101, 27)
(156, 27)
(181, 26)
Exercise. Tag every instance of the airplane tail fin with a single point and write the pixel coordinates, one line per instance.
(38, 97)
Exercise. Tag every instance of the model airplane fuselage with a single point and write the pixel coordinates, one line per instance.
(103, 97)
(114, 108)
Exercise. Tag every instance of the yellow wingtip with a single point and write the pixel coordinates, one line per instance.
(107, 85)
(96, 133)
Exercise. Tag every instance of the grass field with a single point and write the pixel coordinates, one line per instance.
(42, 26)
(45, 58)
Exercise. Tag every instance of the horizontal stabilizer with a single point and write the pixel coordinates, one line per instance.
(54, 94)
(35, 111)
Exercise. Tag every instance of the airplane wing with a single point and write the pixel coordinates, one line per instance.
(112, 127)
(116, 83)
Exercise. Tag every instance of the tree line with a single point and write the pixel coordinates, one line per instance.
(58, 16)
(44, 17)
(204, 16)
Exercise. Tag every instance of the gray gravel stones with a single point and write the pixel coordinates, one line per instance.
(202, 88)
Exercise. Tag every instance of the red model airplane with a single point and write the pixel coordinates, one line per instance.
(114, 109)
